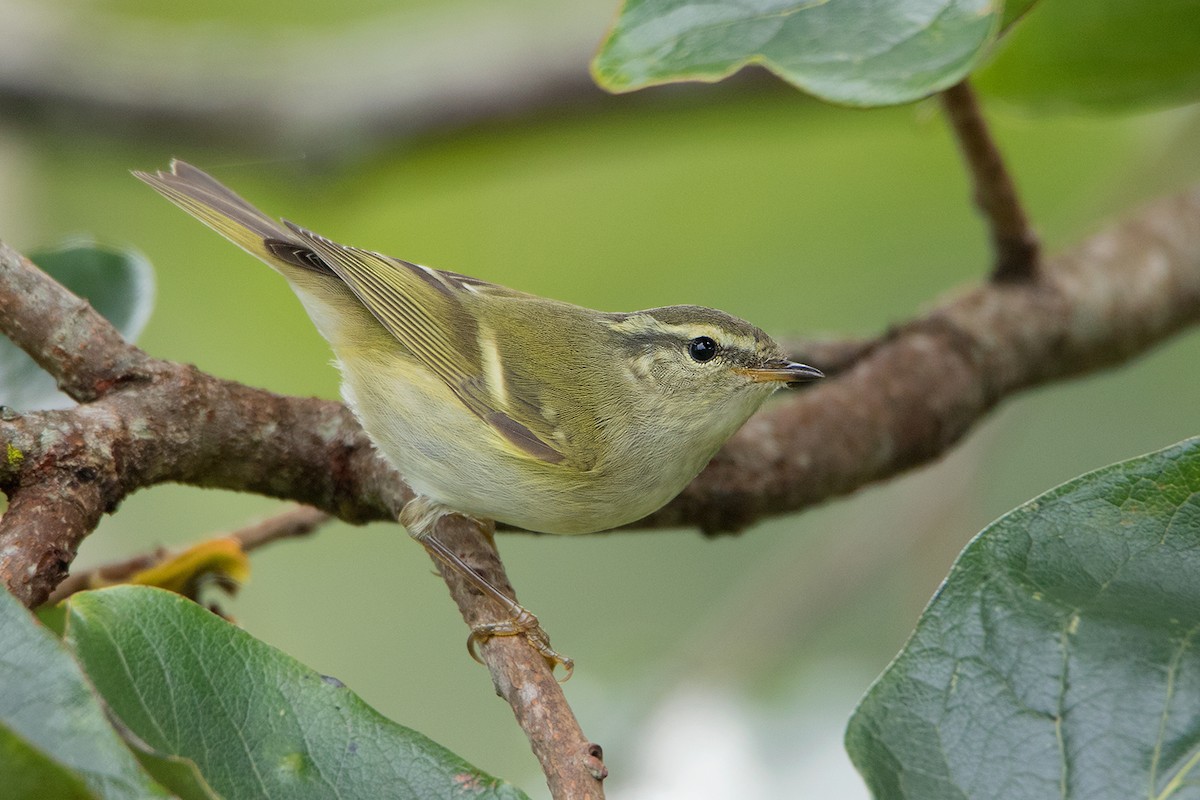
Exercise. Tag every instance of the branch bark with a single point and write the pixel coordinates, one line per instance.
(1016, 247)
(574, 767)
(929, 381)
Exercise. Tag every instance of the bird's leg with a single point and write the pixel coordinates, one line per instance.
(522, 622)
(419, 523)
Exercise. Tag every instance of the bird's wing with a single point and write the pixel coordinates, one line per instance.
(423, 308)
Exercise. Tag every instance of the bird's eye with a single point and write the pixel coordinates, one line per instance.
(702, 348)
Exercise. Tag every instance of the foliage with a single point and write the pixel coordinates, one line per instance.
(55, 740)
(856, 52)
(1059, 658)
(1096, 54)
(209, 710)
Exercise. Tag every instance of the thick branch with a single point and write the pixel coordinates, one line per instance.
(184, 427)
(46, 520)
(1014, 242)
(930, 381)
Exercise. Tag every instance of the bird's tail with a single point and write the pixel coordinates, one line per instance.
(218, 207)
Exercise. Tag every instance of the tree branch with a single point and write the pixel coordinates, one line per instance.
(1014, 242)
(290, 524)
(573, 766)
(909, 395)
(928, 382)
(62, 333)
(41, 530)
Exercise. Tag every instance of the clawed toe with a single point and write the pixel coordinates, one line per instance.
(524, 624)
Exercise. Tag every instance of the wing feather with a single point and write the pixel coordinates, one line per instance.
(424, 309)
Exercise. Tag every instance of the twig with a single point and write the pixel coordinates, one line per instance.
(573, 766)
(289, 524)
(294, 522)
(1013, 239)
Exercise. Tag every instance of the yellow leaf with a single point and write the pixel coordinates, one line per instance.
(220, 561)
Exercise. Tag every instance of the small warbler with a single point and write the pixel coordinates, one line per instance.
(503, 406)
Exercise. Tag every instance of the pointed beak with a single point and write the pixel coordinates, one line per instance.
(788, 372)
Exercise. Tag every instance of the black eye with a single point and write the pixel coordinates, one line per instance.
(702, 348)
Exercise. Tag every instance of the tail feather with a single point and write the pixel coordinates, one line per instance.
(206, 199)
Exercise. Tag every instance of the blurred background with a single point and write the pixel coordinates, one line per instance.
(469, 138)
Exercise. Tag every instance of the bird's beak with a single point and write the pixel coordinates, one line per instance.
(788, 372)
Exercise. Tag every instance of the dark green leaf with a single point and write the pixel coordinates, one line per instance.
(53, 730)
(1060, 658)
(119, 283)
(256, 722)
(1100, 55)
(857, 52)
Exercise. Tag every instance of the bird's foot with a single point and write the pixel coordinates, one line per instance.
(527, 625)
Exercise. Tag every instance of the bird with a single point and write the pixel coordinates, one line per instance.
(502, 406)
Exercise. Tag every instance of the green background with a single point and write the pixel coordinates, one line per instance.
(804, 218)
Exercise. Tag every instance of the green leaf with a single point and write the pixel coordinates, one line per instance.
(856, 52)
(1100, 55)
(55, 740)
(1061, 658)
(30, 774)
(119, 283)
(256, 722)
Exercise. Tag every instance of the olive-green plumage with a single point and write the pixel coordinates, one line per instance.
(503, 405)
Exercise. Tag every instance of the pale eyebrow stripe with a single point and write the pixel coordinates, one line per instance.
(645, 329)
